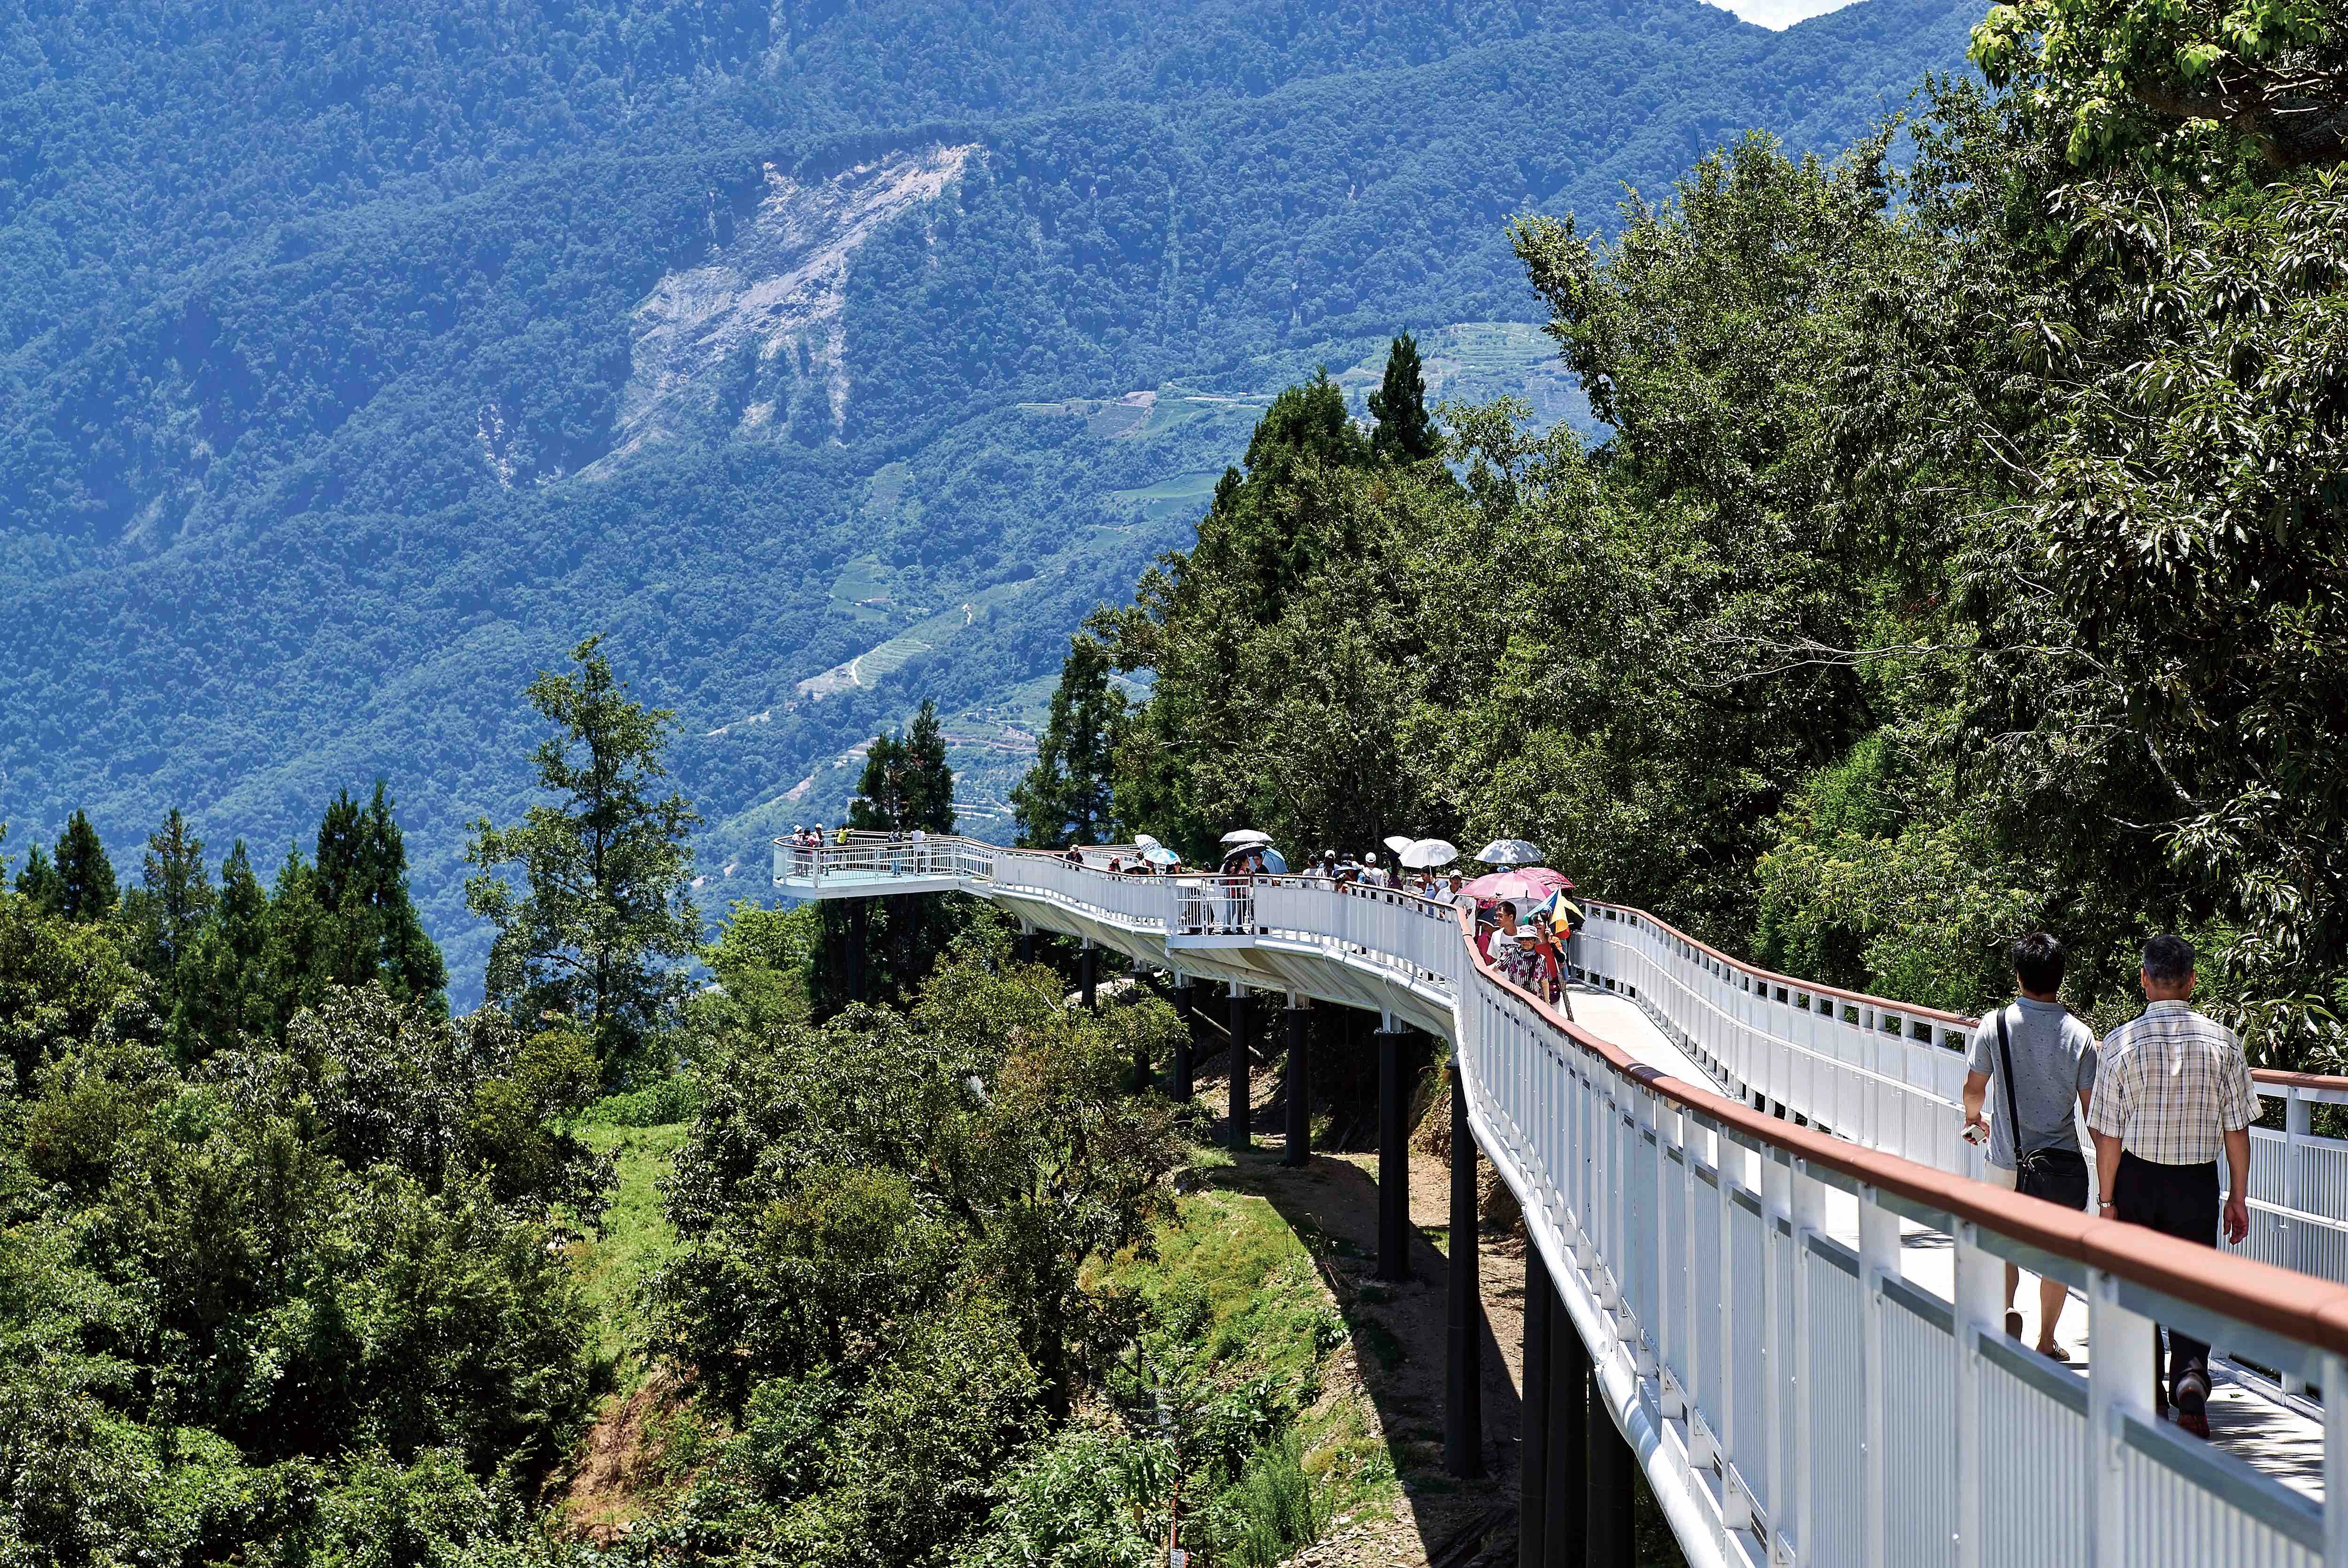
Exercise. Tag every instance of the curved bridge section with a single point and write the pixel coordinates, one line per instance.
(1786, 1290)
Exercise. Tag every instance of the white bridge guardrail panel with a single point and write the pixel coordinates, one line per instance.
(1891, 1078)
(1793, 1398)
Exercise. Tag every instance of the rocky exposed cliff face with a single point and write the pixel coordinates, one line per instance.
(752, 338)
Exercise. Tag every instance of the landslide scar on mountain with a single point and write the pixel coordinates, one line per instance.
(752, 338)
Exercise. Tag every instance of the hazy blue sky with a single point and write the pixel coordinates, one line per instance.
(1780, 14)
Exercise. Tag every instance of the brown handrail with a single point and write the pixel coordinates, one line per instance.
(2273, 1078)
(2282, 1301)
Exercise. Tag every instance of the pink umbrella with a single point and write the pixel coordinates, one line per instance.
(1535, 882)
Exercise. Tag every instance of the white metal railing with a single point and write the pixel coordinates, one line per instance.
(864, 857)
(1891, 1077)
(1797, 1389)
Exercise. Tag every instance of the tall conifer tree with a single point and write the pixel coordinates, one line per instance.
(371, 930)
(906, 783)
(86, 887)
(175, 896)
(225, 980)
(1406, 431)
(39, 882)
(1065, 797)
(604, 920)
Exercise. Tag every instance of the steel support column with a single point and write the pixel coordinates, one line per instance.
(1567, 1486)
(1613, 1496)
(1297, 1085)
(1393, 1159)
(1088, 975)
(1184, 994)
(1463, 1360)
(1242, 1132)
(856, 923)
(1533, 1440)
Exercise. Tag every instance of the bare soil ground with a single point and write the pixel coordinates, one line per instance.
(621, 1473)
(1396, 1358)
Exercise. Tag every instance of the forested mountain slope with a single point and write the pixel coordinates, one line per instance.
(359, 361)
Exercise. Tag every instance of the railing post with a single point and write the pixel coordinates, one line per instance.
(1393, 1158)
(1185, 996)
(1297, 1085)
(1532, 1447)
(2118, 1385)
(1979, 1289)
(2335, 1461)
(2296, 1126)
(1878, 1259)
(1809, 1195)
(1776, 1203)
(1730, 1161)
(1463, 1404)
(1242, 1134)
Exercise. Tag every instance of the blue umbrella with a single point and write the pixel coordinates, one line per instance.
(1158, 854)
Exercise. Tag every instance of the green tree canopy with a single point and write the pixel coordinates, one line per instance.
(1406, 431)
(600, 927)
(1069, 796)
(86, 887)
(2120, 74)
(906, 783)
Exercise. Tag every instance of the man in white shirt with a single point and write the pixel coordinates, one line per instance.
(2175, 1091)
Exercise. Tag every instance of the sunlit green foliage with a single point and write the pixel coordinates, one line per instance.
(598, 927)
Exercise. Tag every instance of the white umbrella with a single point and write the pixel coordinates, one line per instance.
(1247, 836)
(1508, 851)
(1143, 841)
(1398, 844)
(1429, 853)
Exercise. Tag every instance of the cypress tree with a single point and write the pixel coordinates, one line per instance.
(39, 882)
(929, 781)
(225, 993)
(178, 893)
(906, 785)
(295, 940)
(371, 931)
(1406, 431)
(1065, 798)
(906, 782)
(86, 887)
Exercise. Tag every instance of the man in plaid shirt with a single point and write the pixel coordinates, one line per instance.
(2173, 1091)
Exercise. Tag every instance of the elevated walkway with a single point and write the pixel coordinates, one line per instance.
(1746, 1194)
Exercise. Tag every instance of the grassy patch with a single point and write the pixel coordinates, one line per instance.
(635, 1238)
(1272, 1315)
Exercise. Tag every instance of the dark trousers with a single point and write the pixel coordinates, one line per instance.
(2181, 1201)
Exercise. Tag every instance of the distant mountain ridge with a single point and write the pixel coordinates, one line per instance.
(286, 510)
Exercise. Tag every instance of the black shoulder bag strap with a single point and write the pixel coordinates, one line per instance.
(2013, 1114)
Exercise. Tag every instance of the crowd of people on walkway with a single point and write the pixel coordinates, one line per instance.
(2164, 1097)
